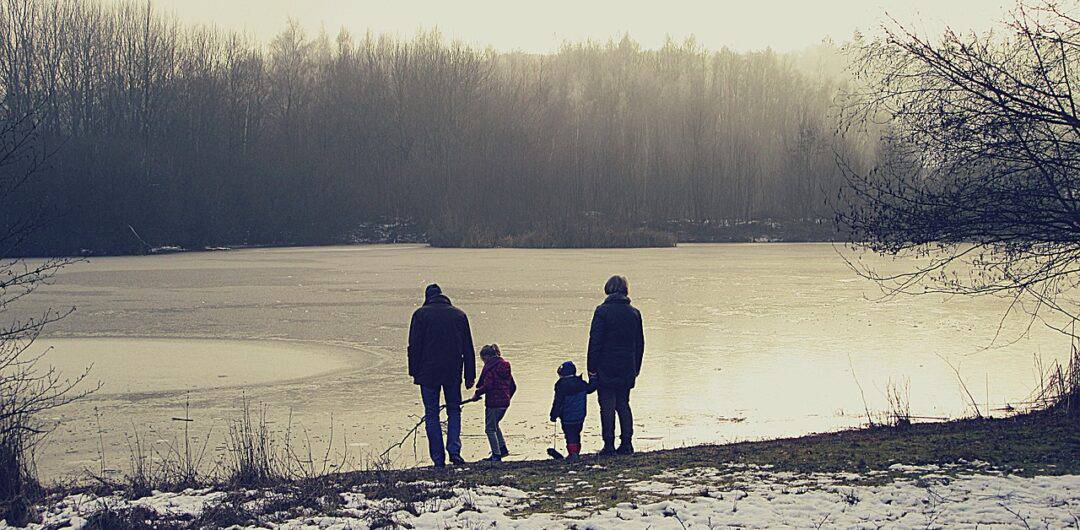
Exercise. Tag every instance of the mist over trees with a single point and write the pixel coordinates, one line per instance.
(196, 136)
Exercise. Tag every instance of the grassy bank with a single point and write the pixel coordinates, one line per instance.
(1042, 443)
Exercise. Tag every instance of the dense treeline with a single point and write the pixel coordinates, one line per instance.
(196, 136)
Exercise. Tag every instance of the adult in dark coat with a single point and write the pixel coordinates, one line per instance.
(440, 351)
(616, 347)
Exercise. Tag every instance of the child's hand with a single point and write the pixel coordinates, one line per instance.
(553, 418)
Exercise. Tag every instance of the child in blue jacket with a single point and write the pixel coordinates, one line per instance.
(570, 405)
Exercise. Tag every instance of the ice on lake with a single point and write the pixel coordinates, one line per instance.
(743, 342)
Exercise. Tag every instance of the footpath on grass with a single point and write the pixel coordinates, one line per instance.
(1021, 472)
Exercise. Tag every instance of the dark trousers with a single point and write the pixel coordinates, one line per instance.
(615, 401)
(572, 431)
(433, 426)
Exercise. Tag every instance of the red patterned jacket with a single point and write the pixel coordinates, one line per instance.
(496, 383)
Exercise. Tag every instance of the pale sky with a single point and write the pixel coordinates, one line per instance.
(539, 26)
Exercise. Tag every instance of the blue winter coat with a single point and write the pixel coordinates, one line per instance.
(570, 403)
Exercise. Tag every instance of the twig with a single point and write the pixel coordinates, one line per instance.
(675, 514)
(416, 428)
(866, 407)
(137, 236)
(1017, 514)
(963, 386)
(821, 523)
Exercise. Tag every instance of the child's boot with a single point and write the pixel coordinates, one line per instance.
(574, 450)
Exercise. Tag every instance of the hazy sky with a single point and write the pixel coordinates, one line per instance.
(541, 25)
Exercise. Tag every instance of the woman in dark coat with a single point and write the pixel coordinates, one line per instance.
(616, 347)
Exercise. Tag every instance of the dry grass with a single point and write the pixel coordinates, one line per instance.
(898, 395)
(183, 460)
(252, 454)
(1059, 386)
(137, 518)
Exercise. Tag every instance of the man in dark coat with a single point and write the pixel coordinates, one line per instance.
(616, 348)
(440, 351)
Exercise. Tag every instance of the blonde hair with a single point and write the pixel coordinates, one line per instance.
(616, 284)
(490, 350)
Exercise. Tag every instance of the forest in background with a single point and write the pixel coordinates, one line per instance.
(158, 133)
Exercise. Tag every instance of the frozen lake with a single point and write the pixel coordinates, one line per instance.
(742, 342)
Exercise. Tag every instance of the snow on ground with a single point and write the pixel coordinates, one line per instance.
(71, 512)
(919, 497)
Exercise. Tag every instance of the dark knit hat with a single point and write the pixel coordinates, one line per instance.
(568, 368)
(432, 290)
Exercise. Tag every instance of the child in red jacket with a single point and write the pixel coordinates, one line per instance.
(497, 384)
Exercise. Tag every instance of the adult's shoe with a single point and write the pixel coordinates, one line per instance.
(457, 460)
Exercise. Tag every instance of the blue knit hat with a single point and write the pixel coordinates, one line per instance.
(568, 368)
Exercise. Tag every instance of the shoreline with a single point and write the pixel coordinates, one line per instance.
(1030, 444)
(417, 244)
(843, 469)
(668, 235)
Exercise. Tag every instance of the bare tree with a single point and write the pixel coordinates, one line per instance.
(978, 169)
(27, 387)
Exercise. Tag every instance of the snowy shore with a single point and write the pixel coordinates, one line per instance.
(964, 495)
(1017, 472)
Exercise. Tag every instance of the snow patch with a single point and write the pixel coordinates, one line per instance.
(693, 498)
